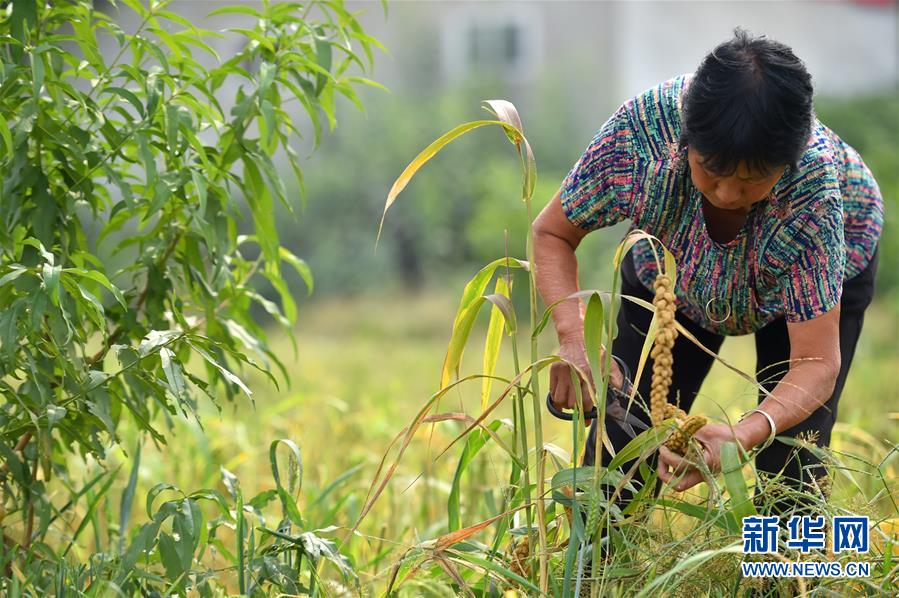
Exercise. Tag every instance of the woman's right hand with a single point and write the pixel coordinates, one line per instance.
(563, 391)
(564, 394)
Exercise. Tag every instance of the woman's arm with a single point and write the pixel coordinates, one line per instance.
(556, 273)
(555, 241)
(814, 366)
(809, 383)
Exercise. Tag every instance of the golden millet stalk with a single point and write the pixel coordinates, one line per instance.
(520, 558)
(679, 441)
(661, 351)
(660, 409)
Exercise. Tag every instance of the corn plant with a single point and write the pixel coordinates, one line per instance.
(568, 509)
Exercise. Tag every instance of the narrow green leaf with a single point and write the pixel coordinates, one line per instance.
(227, 10)
(100, 278)
(128, 96)
(226, 374)
(475, 442)
(301, 267)
(173, 374)
(128, 496)
(493, 342)
(5, 135)
(51, 282)
(425, 155)
(646, 441)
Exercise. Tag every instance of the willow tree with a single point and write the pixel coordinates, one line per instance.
(130, 161)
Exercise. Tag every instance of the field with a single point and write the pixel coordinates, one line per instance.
(362, 369)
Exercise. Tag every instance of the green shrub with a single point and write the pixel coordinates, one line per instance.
(138, 148)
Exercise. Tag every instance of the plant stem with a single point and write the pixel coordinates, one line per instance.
(535, 392)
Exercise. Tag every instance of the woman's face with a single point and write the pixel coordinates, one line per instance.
(735, 192)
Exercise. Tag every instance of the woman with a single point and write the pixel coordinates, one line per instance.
(774, 222)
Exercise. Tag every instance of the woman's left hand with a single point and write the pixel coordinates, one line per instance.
(682, 470)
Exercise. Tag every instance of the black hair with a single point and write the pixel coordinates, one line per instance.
(749, 101)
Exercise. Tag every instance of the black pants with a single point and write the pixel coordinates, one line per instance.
(691, 365)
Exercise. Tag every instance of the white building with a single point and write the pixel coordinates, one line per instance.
(605, 52)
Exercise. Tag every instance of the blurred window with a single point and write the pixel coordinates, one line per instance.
(495, 46)
(487, 38)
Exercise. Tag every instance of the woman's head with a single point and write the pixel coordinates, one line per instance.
(748, 111)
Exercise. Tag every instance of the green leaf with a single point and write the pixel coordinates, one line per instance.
(143, 542)
(593, 325)
(260, 202)
(508, 114)
(472, 299)
(494, 567)
(173, 374)
(128, 495)
(226, 374)
(289, 495)
(493, 342)
(51, 282)
(227, 10)
(425, 155)
(16, 271)
(698, 512)
(100, 278)
(301, 267)
(473, 444)
(322, 57)
(646, 441)
(6, 136)
(149, 160)
(21, 20)
(157, 338)
(732, 469)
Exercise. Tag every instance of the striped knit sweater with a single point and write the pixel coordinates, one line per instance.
(819, 225)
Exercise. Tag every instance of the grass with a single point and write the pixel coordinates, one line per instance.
(364, 366)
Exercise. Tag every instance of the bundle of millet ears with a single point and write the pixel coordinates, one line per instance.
(660, 408)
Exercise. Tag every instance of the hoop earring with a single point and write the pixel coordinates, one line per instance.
(708, 312)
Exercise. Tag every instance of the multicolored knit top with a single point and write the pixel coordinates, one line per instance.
(819, 225)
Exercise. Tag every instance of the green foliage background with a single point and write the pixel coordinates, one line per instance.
(131, 150)
(466, 202)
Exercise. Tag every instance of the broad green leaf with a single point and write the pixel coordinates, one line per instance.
(493, 342)
(732, 469)
(593, 326)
